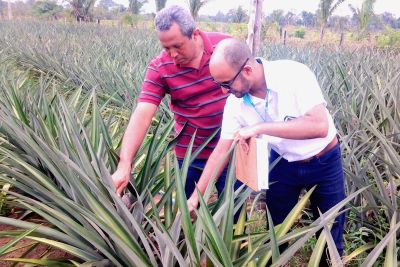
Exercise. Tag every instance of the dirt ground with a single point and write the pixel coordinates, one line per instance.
(29, 249)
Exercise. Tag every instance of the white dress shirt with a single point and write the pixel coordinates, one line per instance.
(292, 91)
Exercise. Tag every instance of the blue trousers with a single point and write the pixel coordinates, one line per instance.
(291, 177)
(193, 176)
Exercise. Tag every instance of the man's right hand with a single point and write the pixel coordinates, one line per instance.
(193, 202)
(133, 137)
(121, 178)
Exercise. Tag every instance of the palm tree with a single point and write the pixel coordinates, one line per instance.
(325, 10)
(195, 5)
(136, 5)
(160, 4)
(364, 15)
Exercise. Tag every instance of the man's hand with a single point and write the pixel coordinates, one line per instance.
(193, 202)
(245, 133)
(121, 178)
(133, 137)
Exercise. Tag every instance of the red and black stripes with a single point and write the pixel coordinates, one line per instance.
(195, 98)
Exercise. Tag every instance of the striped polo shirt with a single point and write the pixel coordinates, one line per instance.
(195, 98)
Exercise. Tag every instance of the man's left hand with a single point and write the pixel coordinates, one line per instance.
(246, 133)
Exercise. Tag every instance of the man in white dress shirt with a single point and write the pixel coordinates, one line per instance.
(281, 99)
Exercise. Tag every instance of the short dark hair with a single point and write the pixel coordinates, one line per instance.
(181, 16)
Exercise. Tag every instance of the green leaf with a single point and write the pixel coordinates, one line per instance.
(13, 242)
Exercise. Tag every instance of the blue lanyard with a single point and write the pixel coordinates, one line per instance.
(247, 100)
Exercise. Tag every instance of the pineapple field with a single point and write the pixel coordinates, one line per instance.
(66, 95)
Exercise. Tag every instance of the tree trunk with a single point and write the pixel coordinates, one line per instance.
(341, 39)
(254, 26)
(10, 16)
(322, 32)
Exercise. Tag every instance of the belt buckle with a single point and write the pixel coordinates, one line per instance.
(308, 160)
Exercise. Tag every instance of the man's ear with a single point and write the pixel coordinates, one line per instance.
(196, 33)
(247, 69)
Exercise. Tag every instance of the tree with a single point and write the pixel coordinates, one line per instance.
(195, 5)
(364, 15)
(276, 17)
(290, 18)
(46, 9)
(325, 10)
(82, 9)
(108, 4)
(136, 5)
(220, 17)
(238, 15)
(308, 18)
(339, 23)
(388, 19)
(2, 8)
(9, 11)
(160, 4)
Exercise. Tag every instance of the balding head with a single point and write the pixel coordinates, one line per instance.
(229, 55)
(232, 51)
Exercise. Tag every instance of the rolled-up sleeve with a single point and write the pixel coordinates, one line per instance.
(309, 94)
(153, 87)
(230, 121)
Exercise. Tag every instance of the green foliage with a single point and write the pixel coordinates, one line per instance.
(390, 38)
(276, 17)
(3, 8)
(127, 19)
(299, 33)
(46, 9)
(195, 6)
(160, 4)
(136, 5)
(82, 9)
(107, 4)
(326, 8)
(364, 15)
(238, 30)
(63, 108)
(238, 15)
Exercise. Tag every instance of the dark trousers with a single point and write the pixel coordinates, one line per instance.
(193, 176)
(291, 177)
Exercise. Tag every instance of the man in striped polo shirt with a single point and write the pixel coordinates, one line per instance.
(180, 70)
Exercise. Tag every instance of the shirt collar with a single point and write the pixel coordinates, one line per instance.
(249, 100)
(208, 48)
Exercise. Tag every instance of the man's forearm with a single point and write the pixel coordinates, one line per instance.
(131, 142)
(314, 124)
(215, 164)
(135, 132)
(214, 169)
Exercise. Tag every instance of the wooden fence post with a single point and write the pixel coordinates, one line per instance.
(254, 26)
(284, 37)
(341, 39)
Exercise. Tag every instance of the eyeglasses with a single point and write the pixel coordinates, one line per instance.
(228, 84)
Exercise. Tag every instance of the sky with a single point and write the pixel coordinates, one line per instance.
(295, 6)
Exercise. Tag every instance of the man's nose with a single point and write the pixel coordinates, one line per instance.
(173, 53)
(224, 90)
